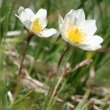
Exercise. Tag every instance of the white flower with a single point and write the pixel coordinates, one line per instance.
(79, 32)
(35, 22)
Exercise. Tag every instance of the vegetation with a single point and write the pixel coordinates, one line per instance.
(83, 78)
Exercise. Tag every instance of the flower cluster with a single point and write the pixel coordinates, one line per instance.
(74, 28)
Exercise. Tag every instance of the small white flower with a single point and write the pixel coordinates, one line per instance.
(35, 22)
(79, 32)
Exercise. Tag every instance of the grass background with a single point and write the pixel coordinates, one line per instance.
(43, 55)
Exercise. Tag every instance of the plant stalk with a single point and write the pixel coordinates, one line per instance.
(29, 37)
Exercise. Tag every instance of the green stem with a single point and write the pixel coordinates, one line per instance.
(54, 92)
(21, 98)
(80, 105)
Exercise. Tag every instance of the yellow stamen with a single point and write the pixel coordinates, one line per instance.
(75, 35)
(36, 26)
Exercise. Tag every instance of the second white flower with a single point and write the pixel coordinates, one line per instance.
(79, 32)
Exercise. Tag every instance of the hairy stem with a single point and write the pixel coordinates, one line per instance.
(61, 57)
(24, 53)
(54, 72)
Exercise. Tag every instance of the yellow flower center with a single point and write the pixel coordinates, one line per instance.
(75, 35)
(36, 26)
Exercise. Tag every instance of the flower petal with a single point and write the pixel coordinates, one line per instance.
(27, 24)
(91, 43)
(60, 22)
(25, 14)
(69, 19)
(88, 26)
(47, 32)
(79, 15)
(95, 47)
(95, 40)
(20, 10)
(43, 23)
(90, 48)
(68, 15)
(74, 17)
(42, 13)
